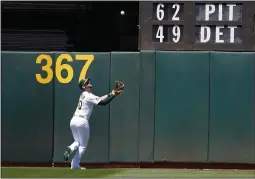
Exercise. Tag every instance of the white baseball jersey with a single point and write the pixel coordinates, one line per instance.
(86, 103)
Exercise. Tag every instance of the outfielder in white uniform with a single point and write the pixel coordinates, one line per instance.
(79, 123)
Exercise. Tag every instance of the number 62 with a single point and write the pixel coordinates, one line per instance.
(59, 67)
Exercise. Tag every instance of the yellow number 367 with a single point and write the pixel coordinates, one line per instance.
(59, 67)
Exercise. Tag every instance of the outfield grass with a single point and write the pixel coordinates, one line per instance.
(25, 172)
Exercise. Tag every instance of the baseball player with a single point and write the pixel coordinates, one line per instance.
(79, 123)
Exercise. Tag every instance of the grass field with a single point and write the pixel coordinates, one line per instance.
(26, 172)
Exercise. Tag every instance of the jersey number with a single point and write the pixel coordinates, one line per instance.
(79, 105)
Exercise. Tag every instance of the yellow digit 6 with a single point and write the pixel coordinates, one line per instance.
(66, 67)
(46, 68)
(85, 68)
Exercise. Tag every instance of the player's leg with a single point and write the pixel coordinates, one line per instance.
(75, 144)
(83, 140)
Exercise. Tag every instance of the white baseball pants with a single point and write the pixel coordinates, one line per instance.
(80, 131)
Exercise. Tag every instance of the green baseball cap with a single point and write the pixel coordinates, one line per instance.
(82, 82)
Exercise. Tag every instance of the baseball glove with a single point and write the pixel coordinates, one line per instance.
(119, 85)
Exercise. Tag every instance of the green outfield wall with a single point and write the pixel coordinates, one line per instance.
(177, 106)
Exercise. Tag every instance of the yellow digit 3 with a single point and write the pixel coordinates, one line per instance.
(46, 68)
(89, 59)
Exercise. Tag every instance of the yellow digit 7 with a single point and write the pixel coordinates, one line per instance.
(46, 68)
(85, 68)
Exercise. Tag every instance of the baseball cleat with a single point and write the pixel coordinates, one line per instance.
(78, 168)
(66, 154)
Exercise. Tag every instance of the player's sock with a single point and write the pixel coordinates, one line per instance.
(77, 157)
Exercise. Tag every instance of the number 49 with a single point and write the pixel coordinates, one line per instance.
(176, 31)
(59, 67)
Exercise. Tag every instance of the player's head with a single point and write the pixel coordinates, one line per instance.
(85, 85)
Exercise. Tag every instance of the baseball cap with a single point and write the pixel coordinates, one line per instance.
(82, 82)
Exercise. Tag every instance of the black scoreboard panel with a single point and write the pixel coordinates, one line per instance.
(201, 25)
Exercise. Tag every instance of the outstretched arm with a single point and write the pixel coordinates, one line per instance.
(106, 99)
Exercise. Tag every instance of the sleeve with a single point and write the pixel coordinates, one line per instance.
(93, 99)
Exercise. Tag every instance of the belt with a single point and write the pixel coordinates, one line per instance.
(82, 116)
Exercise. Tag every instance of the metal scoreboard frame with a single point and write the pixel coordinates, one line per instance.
(201, 25)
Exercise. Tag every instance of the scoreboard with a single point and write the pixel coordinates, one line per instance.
(202, 25)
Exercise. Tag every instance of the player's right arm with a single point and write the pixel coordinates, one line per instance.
(103, 100)
(106, 99)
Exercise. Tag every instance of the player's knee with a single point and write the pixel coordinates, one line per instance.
(82, 146)
(77, 143)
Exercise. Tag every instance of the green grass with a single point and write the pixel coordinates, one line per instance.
(26, 172)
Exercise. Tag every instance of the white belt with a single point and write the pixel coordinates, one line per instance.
(82, 116)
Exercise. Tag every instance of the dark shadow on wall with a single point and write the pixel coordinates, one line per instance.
(70, 26)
